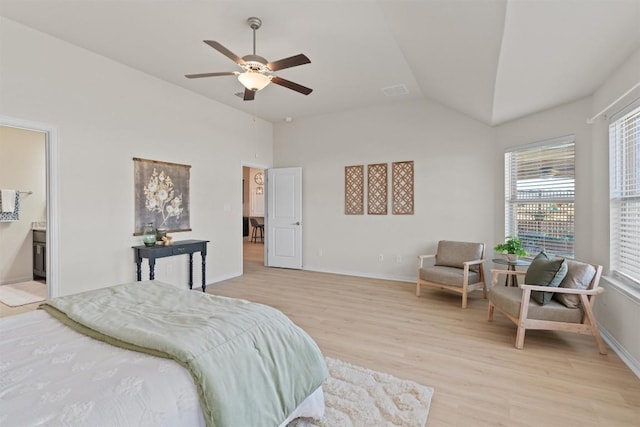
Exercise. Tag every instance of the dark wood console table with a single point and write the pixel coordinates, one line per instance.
(182, 247)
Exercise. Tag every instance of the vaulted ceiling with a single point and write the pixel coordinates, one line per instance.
(493, 60)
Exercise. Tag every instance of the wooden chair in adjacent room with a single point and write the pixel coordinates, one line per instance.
(257, 230)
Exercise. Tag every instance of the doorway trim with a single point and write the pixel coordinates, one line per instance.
(51, 153)
(246, 164)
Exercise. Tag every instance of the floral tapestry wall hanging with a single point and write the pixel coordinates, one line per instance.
(161, 195)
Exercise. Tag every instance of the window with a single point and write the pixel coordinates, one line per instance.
(624, 190)
(539, 195)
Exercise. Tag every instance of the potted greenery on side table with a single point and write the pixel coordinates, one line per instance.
(512, 247)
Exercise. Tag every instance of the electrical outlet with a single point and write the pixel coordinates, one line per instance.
(399, 259)
(380, 258)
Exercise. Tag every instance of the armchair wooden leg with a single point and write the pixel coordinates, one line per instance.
(594, 325)
(418, 289)
(464, 300)
(490, 312)
(596, 334)
(520, 337)
(524, 311)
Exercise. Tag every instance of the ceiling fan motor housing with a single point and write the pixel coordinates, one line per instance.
(255, 63)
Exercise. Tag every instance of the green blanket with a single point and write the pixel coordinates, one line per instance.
(251, 364)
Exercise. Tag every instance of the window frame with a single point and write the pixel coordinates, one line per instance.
(616, 195)
(512, 199)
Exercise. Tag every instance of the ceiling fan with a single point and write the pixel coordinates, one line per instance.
(256, 71)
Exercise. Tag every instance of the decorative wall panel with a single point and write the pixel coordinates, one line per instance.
(402, 188)
(377, 189)
(354, 190)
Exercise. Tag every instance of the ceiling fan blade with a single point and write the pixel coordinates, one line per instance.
(249, 95)
(291, 85)
(226, 52)
(292, 61)
(197, 76)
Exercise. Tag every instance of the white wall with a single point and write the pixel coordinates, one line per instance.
(459, 187)
(618, 309)
(106, 114)
(568, 119)
(454, 184)
(625, 77)
(22, 167)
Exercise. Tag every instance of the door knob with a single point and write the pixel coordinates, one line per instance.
(297, 223)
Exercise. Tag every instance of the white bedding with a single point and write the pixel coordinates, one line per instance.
(51, 375)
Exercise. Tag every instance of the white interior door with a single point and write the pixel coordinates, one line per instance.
(284, 218)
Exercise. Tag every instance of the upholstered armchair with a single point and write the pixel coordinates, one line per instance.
(456, 267)
(562, 306)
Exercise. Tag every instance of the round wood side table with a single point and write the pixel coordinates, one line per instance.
(511, 279)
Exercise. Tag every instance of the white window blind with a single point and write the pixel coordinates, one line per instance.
(624, 158)
(539, 196)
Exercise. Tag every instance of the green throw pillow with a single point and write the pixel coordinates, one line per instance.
(544, 271)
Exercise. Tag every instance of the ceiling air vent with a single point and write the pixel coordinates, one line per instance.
(395, 90)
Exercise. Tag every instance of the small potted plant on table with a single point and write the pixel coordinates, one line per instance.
(512, 247)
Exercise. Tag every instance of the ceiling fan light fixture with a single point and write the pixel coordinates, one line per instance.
(254, 81)
(257, 71)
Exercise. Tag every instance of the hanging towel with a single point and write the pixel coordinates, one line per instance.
(8, 200)
(14, 215)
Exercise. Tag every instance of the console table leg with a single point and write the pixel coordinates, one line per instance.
(152, 268)
(139, 269)
(191, 271)
(204, 271)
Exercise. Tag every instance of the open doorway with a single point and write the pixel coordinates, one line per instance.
(25, 263)
(46, 242)
(253, 214)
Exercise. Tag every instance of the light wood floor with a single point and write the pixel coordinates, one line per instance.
(480, 379)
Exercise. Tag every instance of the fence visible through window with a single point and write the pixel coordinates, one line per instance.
(539, 196)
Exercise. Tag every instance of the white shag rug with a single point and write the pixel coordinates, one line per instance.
(23, 293)
(359, 397)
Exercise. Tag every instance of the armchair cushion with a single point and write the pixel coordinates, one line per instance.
(447, 275)
(579, 276)
(454, 254)
(544, 271)
(509, 298)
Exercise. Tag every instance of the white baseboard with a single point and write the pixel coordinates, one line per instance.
(223, 277)
(627, 358)
(18, 280)
(361, 274)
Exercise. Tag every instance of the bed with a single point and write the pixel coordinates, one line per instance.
(266, 370)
